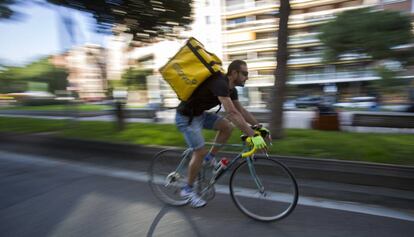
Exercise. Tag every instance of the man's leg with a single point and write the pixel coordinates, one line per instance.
(195, 164)
(193, 168)
(224, 129)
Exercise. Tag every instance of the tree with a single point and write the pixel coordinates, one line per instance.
(135, 78)
(368, 32)
(276, 124)
(376, 34)
(16, 79)
(5, 11)
(144, 19)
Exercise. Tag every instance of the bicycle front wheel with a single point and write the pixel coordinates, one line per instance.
(265, 191)
(167, 175)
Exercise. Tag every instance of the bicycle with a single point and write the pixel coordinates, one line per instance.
(261, 187)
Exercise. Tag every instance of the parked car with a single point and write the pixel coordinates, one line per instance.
(289, 105)
(308, 101)
(363, 102)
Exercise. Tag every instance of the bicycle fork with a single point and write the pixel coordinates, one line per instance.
(254, 175)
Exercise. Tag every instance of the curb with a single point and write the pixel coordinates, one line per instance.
(347, 172)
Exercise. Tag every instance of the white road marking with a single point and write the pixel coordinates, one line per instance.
(222, 189)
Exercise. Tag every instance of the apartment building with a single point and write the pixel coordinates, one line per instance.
(250, 33)
(247, 30)
(86, 66)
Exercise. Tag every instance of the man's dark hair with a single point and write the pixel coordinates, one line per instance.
(235, 65)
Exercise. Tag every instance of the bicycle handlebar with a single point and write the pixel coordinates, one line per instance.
(249, 153)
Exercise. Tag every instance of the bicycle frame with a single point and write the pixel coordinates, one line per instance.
(245, 179)
(213, 180)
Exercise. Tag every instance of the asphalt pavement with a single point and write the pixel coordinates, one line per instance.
(43, 195)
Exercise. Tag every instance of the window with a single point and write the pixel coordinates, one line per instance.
(391, 1)
(232, 2)
(265, 72)
(237, 56)
(266, 54)
(236, 20)
(208, 20)
(266, 35)
(265, 16)
(321, 8)
(350, 4)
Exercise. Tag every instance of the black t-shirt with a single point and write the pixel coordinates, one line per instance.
(206, 95)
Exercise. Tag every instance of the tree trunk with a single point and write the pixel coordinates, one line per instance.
(276, 123)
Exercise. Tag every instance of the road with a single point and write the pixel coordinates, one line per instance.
(42, 195)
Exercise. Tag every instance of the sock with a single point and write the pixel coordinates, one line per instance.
(188, 187)
(209, 156)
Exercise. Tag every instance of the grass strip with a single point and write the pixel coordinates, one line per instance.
(368, 147)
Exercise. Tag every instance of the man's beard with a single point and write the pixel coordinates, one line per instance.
(240, 83)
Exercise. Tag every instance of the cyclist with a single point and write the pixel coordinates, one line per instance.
(191, 118)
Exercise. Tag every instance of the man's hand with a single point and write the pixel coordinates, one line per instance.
(258, 142)
(263, 131)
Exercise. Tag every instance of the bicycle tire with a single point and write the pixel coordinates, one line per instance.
(164, 164)
(281, 190)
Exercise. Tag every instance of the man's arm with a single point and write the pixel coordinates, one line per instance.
(235, 116)
(246, 114)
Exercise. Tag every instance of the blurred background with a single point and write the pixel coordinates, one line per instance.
(52, 52)
(84, 109)
(343, 55)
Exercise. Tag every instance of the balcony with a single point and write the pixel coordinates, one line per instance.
(318, 17)
(251, 46)
(348, 76)
(305, 60)
(315, 78)
(303, 39)
(307, 19)
(251, 25)
(249, 6)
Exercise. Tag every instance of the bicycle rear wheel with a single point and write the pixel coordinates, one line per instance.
(167, 175)
(278, 196)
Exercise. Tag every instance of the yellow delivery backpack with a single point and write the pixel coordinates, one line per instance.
(189, 68)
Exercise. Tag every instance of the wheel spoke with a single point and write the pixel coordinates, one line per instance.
(165, 180)
(273, 199)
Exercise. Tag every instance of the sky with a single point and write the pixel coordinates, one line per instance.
(40, 33)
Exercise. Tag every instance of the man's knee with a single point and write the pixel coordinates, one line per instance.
(225, 126)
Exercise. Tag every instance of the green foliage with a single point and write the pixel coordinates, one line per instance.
(369, 32)
(5, 11)
(135, 79)
(16, 79)
(388, 82)
(61, 107)
(144, 19)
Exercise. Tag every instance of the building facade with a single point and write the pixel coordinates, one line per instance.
(87, 72)
(247, 30)
(250, 33)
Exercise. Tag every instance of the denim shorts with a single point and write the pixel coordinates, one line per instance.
(193, 132)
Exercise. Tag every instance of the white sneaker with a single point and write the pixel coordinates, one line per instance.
(192, 198)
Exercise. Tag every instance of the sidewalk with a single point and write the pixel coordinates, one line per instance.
(387, 185)
(293, 119)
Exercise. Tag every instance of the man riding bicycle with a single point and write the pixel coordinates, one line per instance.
(191, 118)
